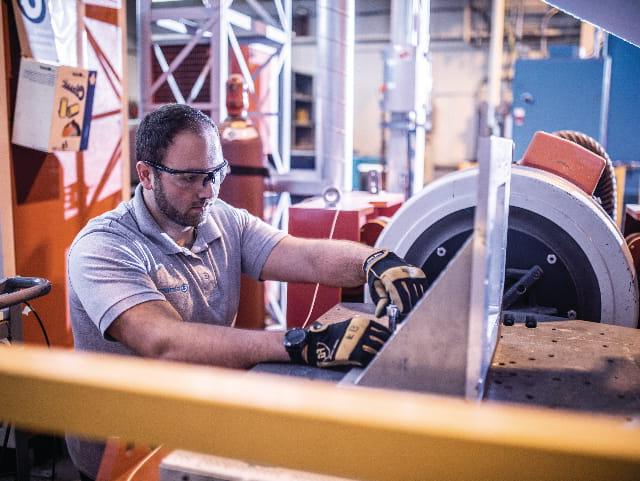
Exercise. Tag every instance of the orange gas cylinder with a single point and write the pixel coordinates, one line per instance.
(244, 187)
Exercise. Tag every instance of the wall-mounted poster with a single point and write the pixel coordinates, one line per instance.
(37, 39)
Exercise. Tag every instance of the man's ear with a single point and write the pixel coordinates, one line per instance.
(145, 175)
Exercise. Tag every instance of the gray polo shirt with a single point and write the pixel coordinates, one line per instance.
(122, 259)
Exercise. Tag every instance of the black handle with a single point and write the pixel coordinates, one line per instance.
(16, 290)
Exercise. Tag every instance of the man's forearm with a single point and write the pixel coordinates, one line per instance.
(339, 263)
(223, 346)
(154, 329)
(335, 263)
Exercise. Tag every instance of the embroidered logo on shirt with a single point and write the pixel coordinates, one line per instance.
(180, 288)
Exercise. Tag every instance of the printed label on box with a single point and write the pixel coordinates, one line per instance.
(74, 88)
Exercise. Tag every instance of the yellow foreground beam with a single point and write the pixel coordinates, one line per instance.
(358, 433)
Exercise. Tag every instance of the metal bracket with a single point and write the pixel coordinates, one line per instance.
(447, 341)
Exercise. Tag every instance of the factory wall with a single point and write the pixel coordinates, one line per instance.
(368, 78)
(459, 73)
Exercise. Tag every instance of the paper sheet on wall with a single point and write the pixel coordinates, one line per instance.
(37, 38)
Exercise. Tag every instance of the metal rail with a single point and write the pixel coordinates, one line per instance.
(360, 433)
(16, 290)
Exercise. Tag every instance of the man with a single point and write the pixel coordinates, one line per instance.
(159, 275)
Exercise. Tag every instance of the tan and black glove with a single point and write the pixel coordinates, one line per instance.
(353, 342)
(392, 280)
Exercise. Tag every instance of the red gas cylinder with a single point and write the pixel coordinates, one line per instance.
(244, 187)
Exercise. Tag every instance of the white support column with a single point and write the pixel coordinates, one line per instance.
(407, 95)
(334, 113)
(143, 16)
(495, 65)
(219, 60)
(285, 91)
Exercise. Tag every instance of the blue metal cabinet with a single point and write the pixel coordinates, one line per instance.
(559, 94)
(623, 130)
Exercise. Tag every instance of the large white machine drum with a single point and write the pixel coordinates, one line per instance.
(587, 268)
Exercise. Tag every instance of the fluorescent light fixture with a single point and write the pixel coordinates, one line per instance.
(172, 25)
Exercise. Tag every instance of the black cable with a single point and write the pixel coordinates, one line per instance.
(7, 428)
(6, 438)
(53, 458)
(53, 439)
(44, 331)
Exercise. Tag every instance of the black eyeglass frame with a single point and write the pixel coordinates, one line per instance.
(210, 174)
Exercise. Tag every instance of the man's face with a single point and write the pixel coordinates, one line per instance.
(183, 198)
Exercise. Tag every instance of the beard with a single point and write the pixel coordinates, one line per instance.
(186, 219)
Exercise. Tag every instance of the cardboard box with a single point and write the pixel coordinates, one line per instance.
(53, 106)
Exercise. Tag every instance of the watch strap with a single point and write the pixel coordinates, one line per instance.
(295, 351)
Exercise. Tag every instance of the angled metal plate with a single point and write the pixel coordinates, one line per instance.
(489, 258)
(428, 351)
(447, 342)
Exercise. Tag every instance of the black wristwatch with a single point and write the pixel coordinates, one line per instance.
(294, 342)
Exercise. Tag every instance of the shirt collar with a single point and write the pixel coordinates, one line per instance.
(207, 232)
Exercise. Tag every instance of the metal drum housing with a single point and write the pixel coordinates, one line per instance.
(588, 270)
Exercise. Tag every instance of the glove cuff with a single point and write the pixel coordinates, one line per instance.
(373, 258)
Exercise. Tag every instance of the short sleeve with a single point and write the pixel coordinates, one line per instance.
(109, 275)
(257, 241)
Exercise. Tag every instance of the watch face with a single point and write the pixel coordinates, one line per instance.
(295, 337)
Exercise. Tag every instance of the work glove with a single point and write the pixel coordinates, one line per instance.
(353, 342)
(392, 280)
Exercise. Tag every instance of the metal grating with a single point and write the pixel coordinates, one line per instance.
(185, 76)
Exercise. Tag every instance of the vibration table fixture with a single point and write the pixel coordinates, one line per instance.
(515, 255)
(516, 244)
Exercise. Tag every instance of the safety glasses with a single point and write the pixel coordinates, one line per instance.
(195, 177)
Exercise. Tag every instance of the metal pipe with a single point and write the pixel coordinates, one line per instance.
(219, 60)
(334, 95)
(285, 94)
(143, 20)
(402, 29)
(495, 64)
(408, 90)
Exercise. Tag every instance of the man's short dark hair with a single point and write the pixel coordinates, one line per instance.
(158, 129)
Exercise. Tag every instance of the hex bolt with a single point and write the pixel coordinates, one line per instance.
(571, 314)
(531, 322)
(392, 314)
(508, 319)
(551, 258)
(441, 251)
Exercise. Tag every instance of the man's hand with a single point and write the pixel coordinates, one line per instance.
(392, 280)
(353, 342)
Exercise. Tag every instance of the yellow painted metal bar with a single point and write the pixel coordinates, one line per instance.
(308, 425)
